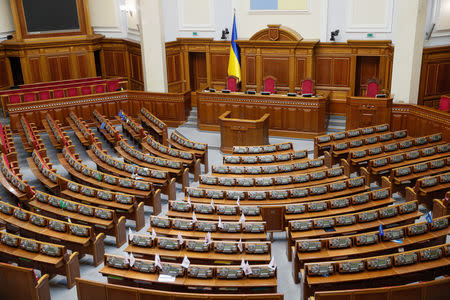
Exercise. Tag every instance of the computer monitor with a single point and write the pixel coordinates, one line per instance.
(226, 91)
(292, 94)
(307, 95)
(251, 92)
(265, 93)
(380, 96)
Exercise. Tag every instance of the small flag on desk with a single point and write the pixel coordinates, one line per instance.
(212, 203)
(189, 200)
(272, 263)
(247, 269)
(132, 259)
(194, 217)
(120, 114)
(185, 263)
(130, 234)
(220, 224)
(380, 229)
(69, 220)
(180, 239)
(242, 219)
(428, 217)
(238, 202)
(208, 238)
(242, 264)
(158, 261)
(240, 245)
(103, 125)
(153, 236)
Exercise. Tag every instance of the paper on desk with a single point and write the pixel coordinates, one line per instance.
(220, 224)
(166, 278)
(186, 262)
(130, 234)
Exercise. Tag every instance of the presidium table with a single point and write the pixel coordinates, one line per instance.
(300, 117)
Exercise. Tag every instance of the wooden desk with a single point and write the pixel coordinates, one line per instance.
(242, 132)
(365, 111)
(290, 116)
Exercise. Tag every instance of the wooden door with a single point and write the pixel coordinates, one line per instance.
(197, 71)
(367, 67)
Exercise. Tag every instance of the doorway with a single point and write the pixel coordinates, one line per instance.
(367, 67)
(16, 69)
(197, 71)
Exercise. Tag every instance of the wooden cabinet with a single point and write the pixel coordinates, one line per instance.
(242, 132)
(365, 112)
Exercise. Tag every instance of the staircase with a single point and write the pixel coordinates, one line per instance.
(192, 119)
(336, 124)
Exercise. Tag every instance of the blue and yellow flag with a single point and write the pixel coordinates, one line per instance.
(234, 63)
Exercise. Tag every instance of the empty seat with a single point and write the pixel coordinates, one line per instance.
(98, 89)
(29, 97)
(86, 90)
(72, 92)
(14, 99)
(59, 93)
(113, 85)
(44, 95)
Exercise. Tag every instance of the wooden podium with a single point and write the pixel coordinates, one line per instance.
(242, 132)
(365, 112)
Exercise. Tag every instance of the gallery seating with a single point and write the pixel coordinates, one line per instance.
(200, 150)
(216, 278)
(108, 164)
(352, 223)
(76, 237)
(49, 258)
(141, 190)
(199, 251)
(101, 220)
(248, 231)
(244, 183)
(22, 284)
(154, 126)
(91, 290)
(430, 290)
(412, 236)
(378, 271)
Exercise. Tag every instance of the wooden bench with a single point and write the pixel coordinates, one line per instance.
(91, 290)
(81, 130)
(441, 207)
(431, 187)
(383, 166)
(29, 136)
(188, 159)
(105, 127)
(341, 150)
(80, 238)
(108, 164)
(281, 148)
(174, 168)
(7, 143)
(325, 142)
(429, 290)
(141, 190)
(413, 236)
(336, 189)
(256, 170)
(243, 183)
(404, 213)
(407, 176)
(380, 271)
(12, 181)
(198, 251)
(130, 127)
(212, 212)
(267, 159)
(361, 157)
(215, 278)
(102, 220)
(249, 231)
(200, 150)
(22, 284)
(49, 258)
(43, 170)
(156, 127)
(56, 134)
(124, 205)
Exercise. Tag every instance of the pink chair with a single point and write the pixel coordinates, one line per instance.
(86, 90)
(444, 103)
(59, 93)
(44, 95)
(72, 92)
(113, 85)
(372, 88)
(14, 99)
(232, 83)
(307, 86)
(29, 97)
(98, 89)
(270, 84)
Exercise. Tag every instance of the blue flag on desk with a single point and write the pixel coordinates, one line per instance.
(380, 229)
(120, 114)
(103, 125)
(428, 217)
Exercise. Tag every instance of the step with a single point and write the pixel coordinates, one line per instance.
(337, 117)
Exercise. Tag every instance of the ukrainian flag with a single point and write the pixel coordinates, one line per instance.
(234, 63)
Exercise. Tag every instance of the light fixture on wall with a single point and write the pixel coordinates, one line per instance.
(334, 34)
(224, 34)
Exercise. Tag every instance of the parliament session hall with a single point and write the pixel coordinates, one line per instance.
(224, 149)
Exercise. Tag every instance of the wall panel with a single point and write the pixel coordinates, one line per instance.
(341, 71)
(277, 67)
(323, 70)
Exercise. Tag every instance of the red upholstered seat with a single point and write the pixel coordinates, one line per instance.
(14, 99)
(270, 84)
(113, 85)
(372, 88)
(29, 97)
(232, 83)
(72, 92)
(98, 89)
(59, 93)
(308, 86)
(444, 103)
(44, 95)
(86, 90)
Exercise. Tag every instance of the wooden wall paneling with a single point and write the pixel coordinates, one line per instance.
(250, 71)
(277, 66)
(341, 69)
(82, 63)
(6, 79)
(323, 72)
(35, 69)
(434, 76)
(219, 70)
(300, 72)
